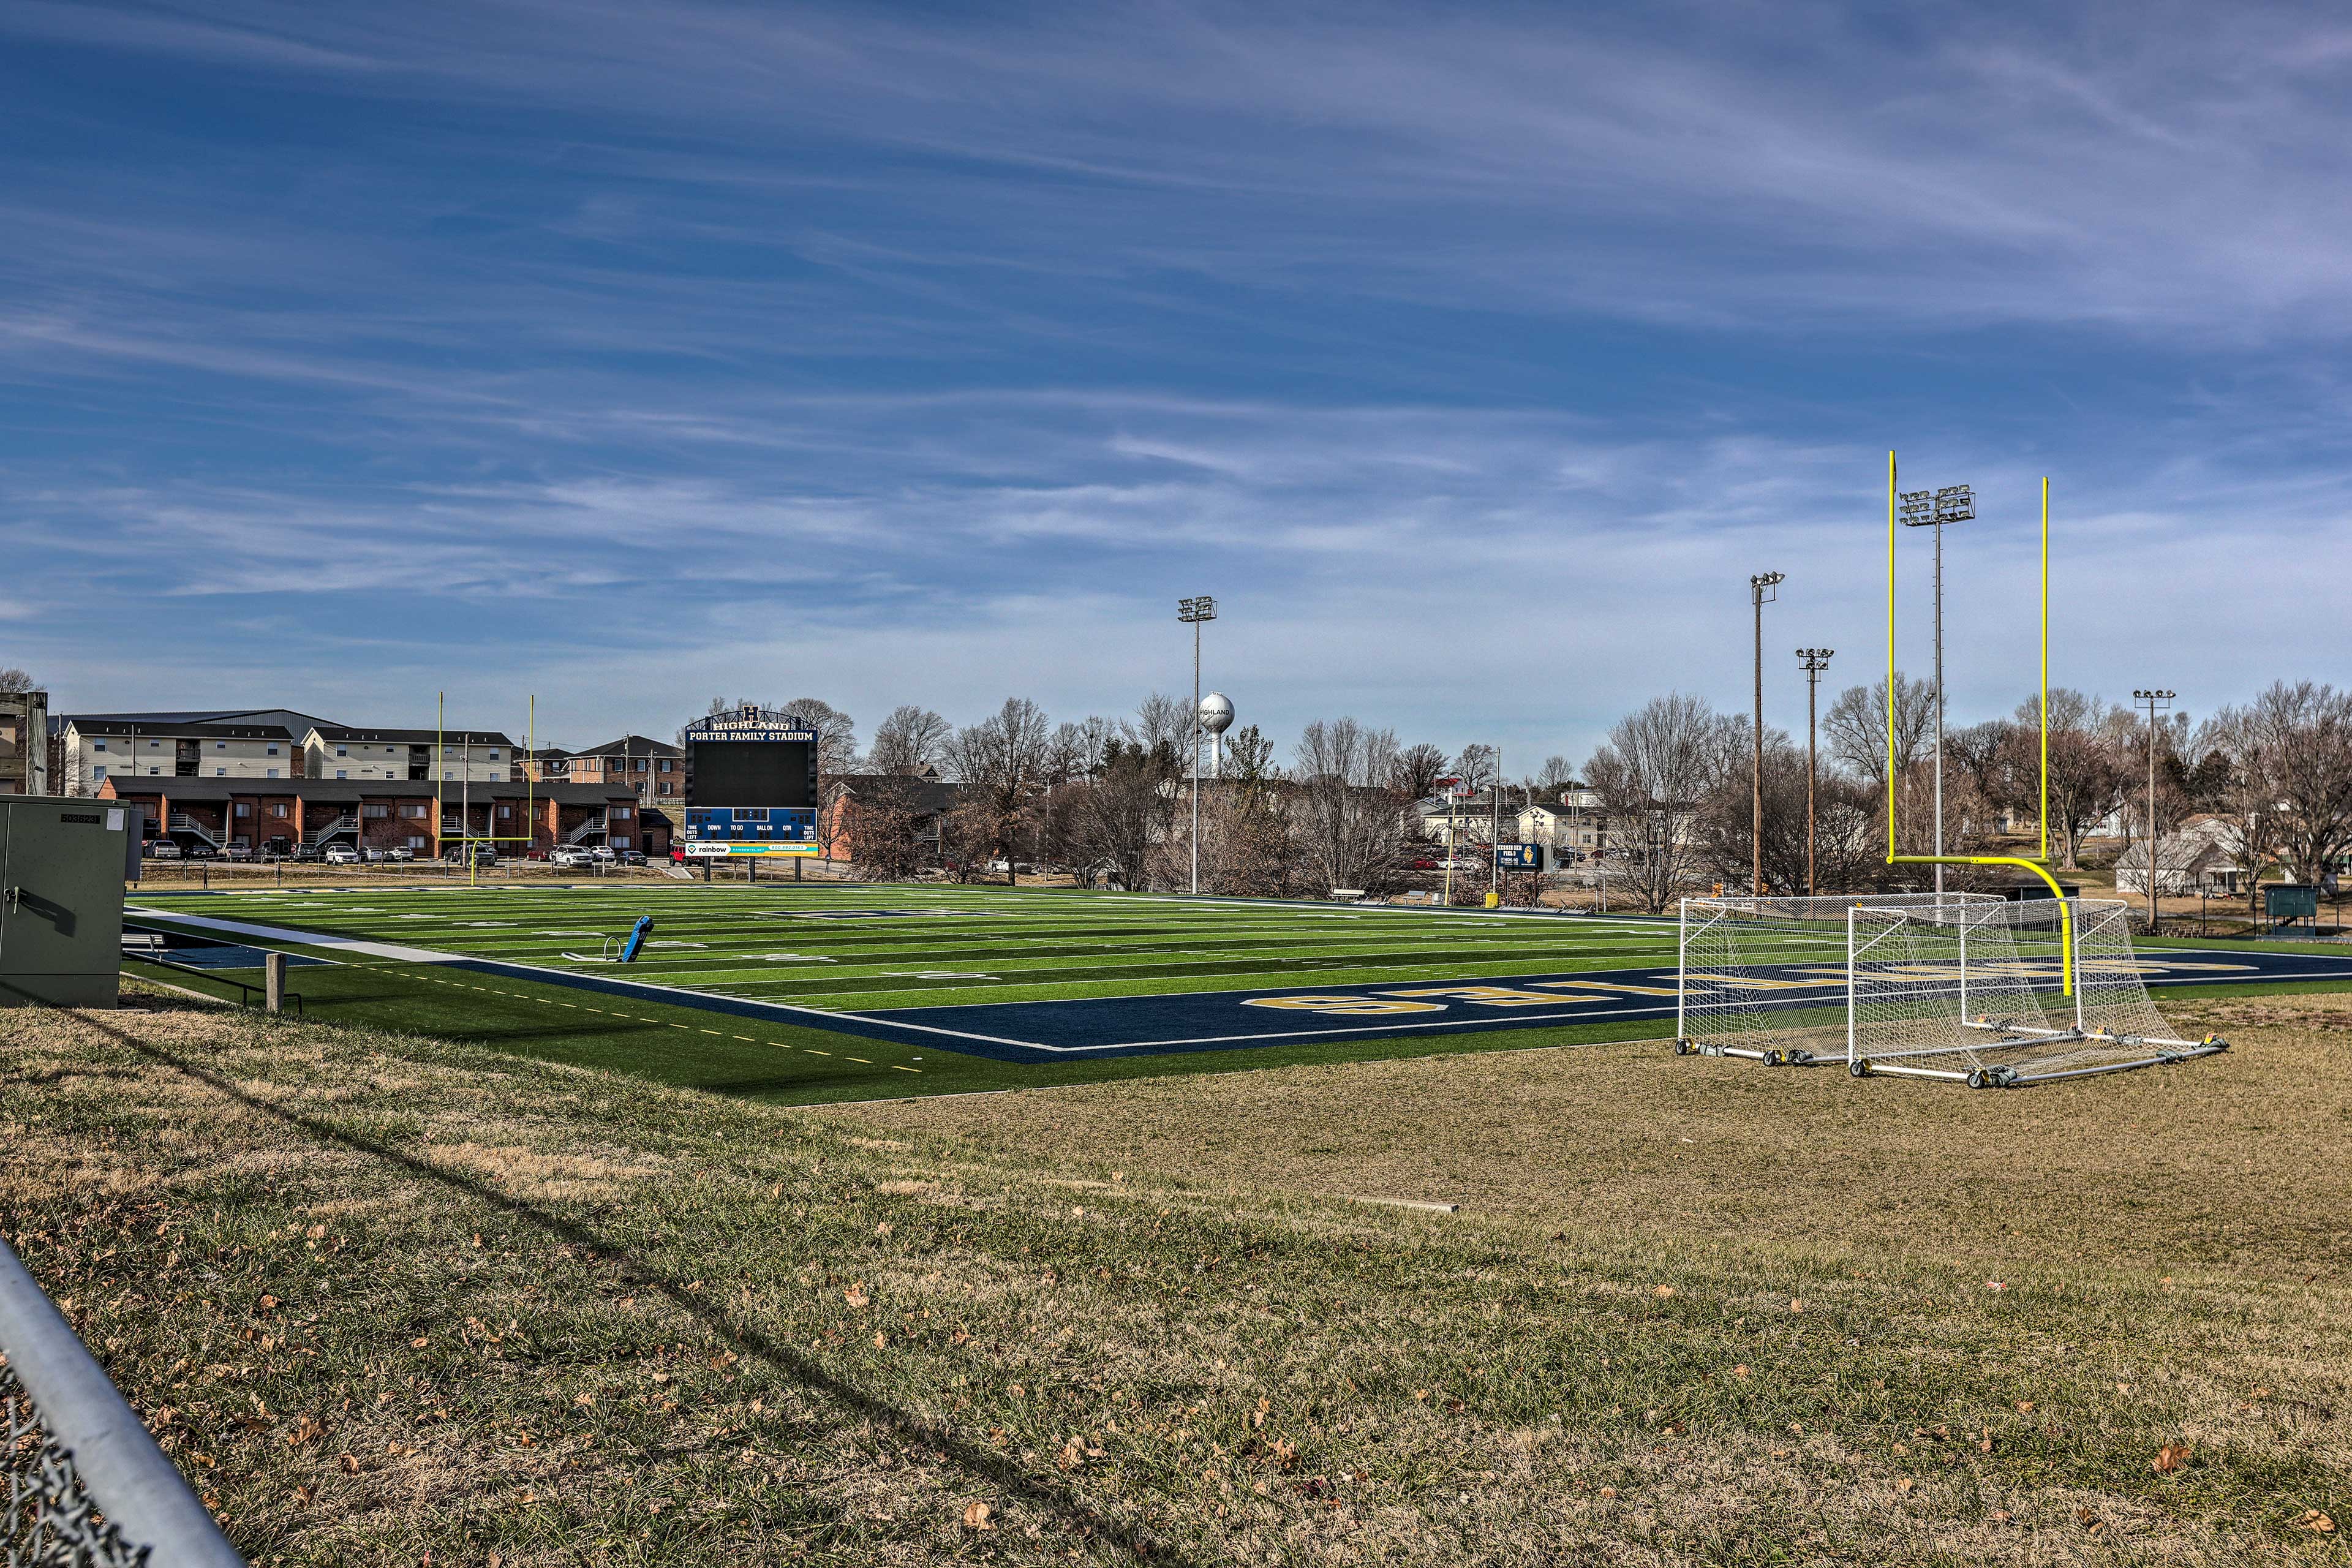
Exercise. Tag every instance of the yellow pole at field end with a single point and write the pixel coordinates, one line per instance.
(2065, 910)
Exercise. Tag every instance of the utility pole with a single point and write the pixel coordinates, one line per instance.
(2154, 700)
(1762, 590)
(1194, 612)
(1495, 833)
(1816, 659)
(1934, 509)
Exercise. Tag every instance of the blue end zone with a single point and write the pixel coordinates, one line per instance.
(1240, 1020)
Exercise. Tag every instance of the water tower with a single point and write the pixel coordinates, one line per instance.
(1216, 718)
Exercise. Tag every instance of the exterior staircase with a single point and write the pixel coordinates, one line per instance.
(183, 823)
(318, 835)
(579, 834)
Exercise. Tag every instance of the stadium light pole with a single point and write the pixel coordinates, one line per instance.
(1194, 612)
(1816, 659)
(2154, 700)
(1934, 509)
(1762, 590)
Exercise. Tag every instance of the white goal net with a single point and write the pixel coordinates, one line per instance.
(1766, 978)
(1974, 991)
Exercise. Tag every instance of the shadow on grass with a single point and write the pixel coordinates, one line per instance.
(996, 1469)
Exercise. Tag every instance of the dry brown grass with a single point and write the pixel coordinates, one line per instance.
(2237, 1164)
(400, 1298)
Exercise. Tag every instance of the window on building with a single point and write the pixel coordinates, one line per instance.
(342, 774)
(621, 814)
(415, 812)
(220, 745)
(245, 808)
(621, 841)
(271, 774)
(97, 745)
(416, 841)
(220, 772)
(278, 808)
(345, 751)
(100, 771)
(375, 811)
(506, 812)
(273, 750)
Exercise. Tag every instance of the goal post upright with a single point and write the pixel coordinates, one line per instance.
(2038, 867)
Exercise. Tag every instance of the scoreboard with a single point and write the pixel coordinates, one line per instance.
(751, 785)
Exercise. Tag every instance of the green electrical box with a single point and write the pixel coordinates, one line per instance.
(61, 865)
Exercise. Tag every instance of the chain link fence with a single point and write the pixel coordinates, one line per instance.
(86, 1486)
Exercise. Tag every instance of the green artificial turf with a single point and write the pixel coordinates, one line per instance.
(980, 945)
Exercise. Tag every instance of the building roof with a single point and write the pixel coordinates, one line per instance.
(201, 730)
(632, 746)
(163, 723)
(345, 790)
(461, 738)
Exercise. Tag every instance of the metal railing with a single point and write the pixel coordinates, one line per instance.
(86, 1484)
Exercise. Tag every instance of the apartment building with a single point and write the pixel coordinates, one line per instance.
(253, 743)
(343, 751)
(266, 744)
(654, 769)
(24, 742)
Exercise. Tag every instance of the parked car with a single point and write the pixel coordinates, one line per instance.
(162, 849)
(340, 855)
(403, 853)
(567, 854)
(238, 852)
(203, 852)
(601, 852)
(372, 853)
(304, 852)
(633, 857)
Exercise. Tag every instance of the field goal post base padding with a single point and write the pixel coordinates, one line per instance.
(1969, 991)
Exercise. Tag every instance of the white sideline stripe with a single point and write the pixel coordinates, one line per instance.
(304, 937)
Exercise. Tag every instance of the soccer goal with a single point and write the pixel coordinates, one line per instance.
(1765, 979)
(1973, 991)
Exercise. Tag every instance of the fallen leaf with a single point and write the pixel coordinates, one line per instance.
(1796, 1305)
(2312, 1519)
(1665, 1290)
(416, 1344)
(856, 1295)
(2025, 1407)
(881, 1340)
(1904, 1484)
(1609, 1491)
(1739, 1371)
(2170, 1457)
(350, 1462)
(975, 1516)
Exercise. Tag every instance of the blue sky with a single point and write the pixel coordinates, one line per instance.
(1471, 356)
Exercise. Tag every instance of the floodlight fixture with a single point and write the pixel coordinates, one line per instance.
(1193, 611)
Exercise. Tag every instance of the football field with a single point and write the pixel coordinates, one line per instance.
(900, 989)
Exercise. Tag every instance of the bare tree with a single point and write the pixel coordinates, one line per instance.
(1855, 727)
(911, 739)
(1001, 763)
(1475, 766)
(1348, 821)
(1653, 774)
(1115, 822)
(1418, 769)
(2290, 752)
(2088, 779)
(16, 683)
(1160, 718)
(1555, 776)
(885, 822)
(837, 735)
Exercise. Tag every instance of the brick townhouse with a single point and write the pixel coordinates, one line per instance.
(214, 815)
